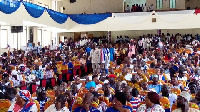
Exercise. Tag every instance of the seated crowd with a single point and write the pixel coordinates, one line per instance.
(150, 74)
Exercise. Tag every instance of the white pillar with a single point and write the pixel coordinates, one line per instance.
(35, 35)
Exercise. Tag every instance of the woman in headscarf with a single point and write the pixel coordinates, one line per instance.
(151, 103)
(23, 103)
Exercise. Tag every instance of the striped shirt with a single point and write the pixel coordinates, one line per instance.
(135, 101)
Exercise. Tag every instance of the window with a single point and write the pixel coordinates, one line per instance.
(4, 37)
(172, 4)
(39, 36)
(13, 40)
(159, 4)
(45, 38)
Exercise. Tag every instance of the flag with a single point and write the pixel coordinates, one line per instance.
(197, 11)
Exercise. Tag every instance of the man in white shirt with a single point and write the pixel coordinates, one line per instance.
(128, 9)
(39, 47)
(95, 55)
(15, 78)
(52, 46)
(166, 93)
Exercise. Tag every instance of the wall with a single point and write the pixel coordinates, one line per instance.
(92, 6)
(180, 4)
(136, 34)
(44, 3)
(60, 36)
(192, 4)
(98, 34)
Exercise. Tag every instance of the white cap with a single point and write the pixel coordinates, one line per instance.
(124, 82)
(185, 95)
(185, 72)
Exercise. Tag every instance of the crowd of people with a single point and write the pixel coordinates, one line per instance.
(139, 8)
(154, 73)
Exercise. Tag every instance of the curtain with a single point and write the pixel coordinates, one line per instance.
(34, 10)
(9, 7)
(89, 18)
(57, 16)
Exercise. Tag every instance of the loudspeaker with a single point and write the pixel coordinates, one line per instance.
(16, 29)
(72, 1)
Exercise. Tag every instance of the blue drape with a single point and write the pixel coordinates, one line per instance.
(34, 10)
(57, 16)
(89, 18)
(8, 7)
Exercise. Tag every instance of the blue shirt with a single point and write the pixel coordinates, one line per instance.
(111, 109)
(70, 65)
(38, 73)
(156, 87)
(81, 109)
(112, 51)
(162, 78)
(88, 49)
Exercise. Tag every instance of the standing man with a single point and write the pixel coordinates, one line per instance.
(39, 48)
(52, 46)
(105, 55)
(95, 56)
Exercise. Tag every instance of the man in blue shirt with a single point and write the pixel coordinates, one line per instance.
(155, 86)
(87, 104)
(112, 52)
(119, 103)
(69, 64)
(38, 73)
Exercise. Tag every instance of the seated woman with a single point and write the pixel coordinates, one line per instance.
(23, 103)
(151, 103)
(59, 105)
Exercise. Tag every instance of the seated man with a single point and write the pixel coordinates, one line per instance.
(87, 104)
(155, 86)
(160, 76)
(119, 103)
(166, 93)
(59, 105)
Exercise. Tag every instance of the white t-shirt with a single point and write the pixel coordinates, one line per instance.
(52, 108)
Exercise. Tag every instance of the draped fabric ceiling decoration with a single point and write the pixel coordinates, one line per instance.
(185, 19)
(36, 11)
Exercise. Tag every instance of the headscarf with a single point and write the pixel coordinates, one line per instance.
(25, 94)
(90, 84)
(185, 95)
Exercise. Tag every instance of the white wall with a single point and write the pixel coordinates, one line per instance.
(44, 3)
(92, 6)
